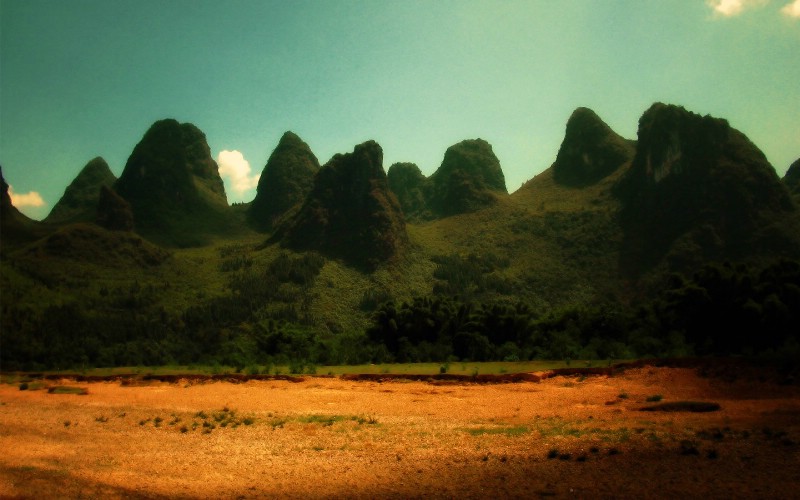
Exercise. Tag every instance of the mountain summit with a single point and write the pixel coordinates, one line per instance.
(285, 181)
(590, 150)
(698, 189)
(79, 201)
(411, 188)
(350, 212)
(470, 178)
(173, 185)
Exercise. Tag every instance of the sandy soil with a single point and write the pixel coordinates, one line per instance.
(327, 437)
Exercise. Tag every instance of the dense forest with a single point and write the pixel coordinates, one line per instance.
(713, 312)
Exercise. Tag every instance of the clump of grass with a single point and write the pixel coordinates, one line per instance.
(184, 429)
(277, 423)
(23, 386)
(67, 423)
(655, 398)
(623, 395)
(325, 420)
(553, 453)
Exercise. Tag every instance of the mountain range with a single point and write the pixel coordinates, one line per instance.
(608, 223)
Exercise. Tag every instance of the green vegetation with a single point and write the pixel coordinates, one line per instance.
(266, 320)
(581, 263)
(66, 389)
(510, 431)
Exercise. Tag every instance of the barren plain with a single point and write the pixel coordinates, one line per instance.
(576, 436)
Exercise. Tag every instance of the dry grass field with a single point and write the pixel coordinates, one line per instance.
(330, 437)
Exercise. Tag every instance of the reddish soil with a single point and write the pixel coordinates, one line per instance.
(333, 437)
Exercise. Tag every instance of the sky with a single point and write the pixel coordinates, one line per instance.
(87, 78)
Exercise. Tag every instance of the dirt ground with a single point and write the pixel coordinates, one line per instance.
(327, 437)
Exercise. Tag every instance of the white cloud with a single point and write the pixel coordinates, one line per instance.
(236, 169)
(24, 200)
(792, 9)
(730, 8)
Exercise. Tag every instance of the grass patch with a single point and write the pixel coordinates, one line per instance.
(324, 420)
(512, 431)
(66, 389)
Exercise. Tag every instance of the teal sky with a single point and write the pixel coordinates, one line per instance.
(85, 78)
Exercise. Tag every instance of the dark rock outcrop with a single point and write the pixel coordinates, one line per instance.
(350, 212)
(285, 181)
(113, 212)
(590, 150)
(409, 185)
(792, 178)
(15, 227)
(470, 178)
(699, 190)
(79, 201)
(173, 185)
(7, 208)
